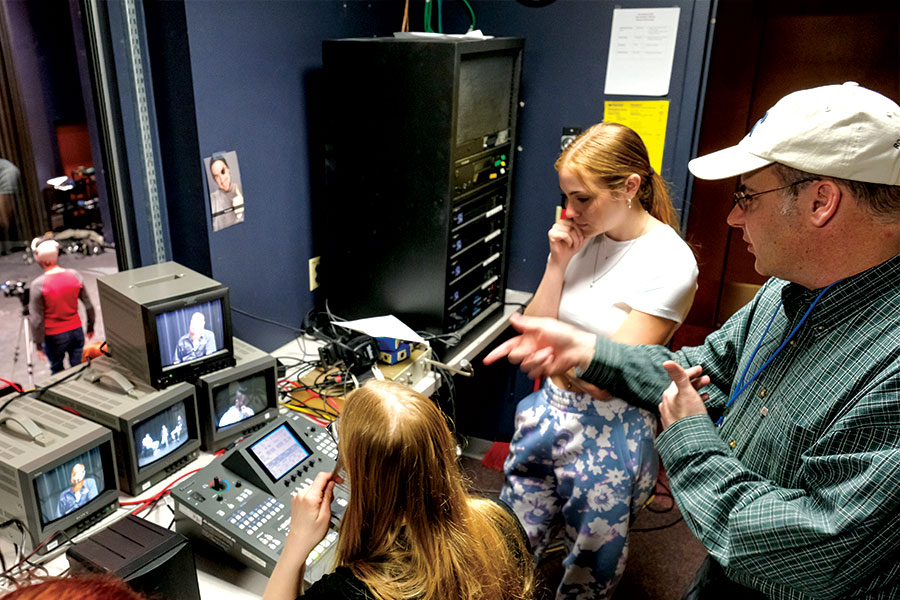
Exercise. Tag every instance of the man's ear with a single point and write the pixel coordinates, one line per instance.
(826, 200)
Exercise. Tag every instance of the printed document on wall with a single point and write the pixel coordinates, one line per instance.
(641, 51)
(648, 118)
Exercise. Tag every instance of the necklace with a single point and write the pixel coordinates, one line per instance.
(631, 242)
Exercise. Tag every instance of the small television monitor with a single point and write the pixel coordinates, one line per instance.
(237, 400)
(155, 432)
(58, 471)
(166, 323)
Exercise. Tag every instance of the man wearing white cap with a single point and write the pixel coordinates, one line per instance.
(782, 431)
(55, 324)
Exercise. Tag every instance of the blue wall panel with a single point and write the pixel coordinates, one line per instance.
(255, 71)
(253, 64)
(564, 71)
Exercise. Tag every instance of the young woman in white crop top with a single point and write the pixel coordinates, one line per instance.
(582, 463)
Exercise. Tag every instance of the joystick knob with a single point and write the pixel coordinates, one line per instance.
(217, 484)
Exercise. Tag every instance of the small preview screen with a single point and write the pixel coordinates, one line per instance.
(239, 400)
(161, 434)
(279, 452)
(190, 333)
(71, 485)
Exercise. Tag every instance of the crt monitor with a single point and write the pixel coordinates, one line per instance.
(58, 472)
(166, 323)
(155, 431)
(235, 401)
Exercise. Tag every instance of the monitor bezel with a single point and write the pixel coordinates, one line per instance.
(138, 475)
(134, 447)
(509, 48)
(214, 438)
(104, 498)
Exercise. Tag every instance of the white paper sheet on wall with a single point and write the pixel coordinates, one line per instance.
(641, 51)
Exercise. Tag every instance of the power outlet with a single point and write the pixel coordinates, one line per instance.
(314, 273)
(568, 136)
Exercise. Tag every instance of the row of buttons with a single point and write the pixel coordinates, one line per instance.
(322, 546)
(258, 517)
(326, 445)
(267, 539)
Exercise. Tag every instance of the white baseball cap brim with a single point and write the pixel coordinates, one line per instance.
(728, 162)
(842, 131)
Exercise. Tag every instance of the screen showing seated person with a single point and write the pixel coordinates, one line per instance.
(161, 434)
(239, 400)
(279, 452)
(70, 486)
(190, 333)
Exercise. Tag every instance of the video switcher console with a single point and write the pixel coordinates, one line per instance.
(241, 501)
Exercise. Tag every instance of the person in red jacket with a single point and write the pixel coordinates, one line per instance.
(55, 324)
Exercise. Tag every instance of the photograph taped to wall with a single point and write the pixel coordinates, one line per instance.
(226, 202)
(70, 486)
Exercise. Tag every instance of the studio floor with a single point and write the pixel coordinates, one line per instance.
(13, 267)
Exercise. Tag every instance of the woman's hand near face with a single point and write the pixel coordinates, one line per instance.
(565, 240)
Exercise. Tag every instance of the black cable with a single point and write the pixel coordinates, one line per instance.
(520, 304)
(666, 526)
(40, 390)
(16, 397)
(265, 320)
(665, 493)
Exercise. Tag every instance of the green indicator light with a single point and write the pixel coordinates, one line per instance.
(502, 157)
(497, 163)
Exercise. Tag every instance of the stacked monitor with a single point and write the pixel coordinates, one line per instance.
(156, 432)
(57, 471)
(166, 323)
(236, 401)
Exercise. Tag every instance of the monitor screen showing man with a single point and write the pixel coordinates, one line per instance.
(70, 486)
(239, 400)
(190, 333)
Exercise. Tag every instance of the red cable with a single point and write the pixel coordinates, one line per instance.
(12, 385)
(145, 503)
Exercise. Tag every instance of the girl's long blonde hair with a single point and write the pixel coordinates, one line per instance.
(607, 153)
(411, 530)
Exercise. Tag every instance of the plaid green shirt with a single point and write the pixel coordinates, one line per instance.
(797, 494)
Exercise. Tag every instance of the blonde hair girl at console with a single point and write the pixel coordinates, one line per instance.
(410, 530)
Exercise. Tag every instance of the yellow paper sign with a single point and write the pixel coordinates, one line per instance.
(647, 118)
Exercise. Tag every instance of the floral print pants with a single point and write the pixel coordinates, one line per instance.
(584, 466)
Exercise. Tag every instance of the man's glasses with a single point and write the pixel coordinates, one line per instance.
(742, 199)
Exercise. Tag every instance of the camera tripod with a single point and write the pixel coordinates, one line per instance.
(26, 328)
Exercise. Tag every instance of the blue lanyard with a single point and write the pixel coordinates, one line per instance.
(741, 385)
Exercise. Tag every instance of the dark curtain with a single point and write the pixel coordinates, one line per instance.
(29, 213)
